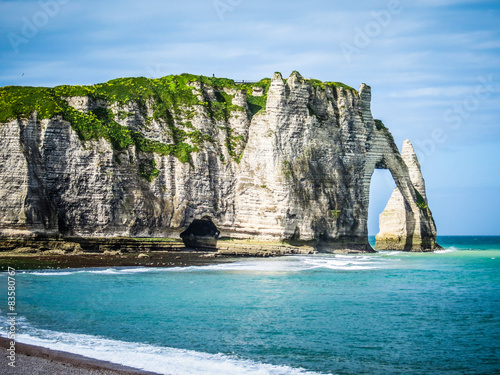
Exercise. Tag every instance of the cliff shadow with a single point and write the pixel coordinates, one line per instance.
(39, 210)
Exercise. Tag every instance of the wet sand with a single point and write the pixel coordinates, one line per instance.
(34, 360)
(85, 260)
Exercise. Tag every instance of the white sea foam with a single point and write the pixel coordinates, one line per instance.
(390, 253)
(444, 251)
(294, 264)
(108, 271)
(346, 262)
(298, 263)
(162, 360)
(309, 262)
(113, 271)
(50, 273)
(282, 264)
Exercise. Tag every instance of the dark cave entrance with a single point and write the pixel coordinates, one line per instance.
(201, 234)
(381, 187)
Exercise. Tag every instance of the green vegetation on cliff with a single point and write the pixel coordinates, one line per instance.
(171, 98)
(420, 200)
(324, 85)
(379, 125)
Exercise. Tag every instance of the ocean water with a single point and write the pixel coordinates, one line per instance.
(385, 313)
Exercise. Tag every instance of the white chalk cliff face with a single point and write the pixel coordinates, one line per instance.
(302, 173)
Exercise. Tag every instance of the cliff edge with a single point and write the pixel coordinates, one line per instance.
(277, 160)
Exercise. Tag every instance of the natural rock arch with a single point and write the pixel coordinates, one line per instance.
(406, 222)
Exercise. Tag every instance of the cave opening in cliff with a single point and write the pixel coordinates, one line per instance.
(381, 187)
(201, 233)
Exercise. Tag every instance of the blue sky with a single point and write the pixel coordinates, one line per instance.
(434, 68)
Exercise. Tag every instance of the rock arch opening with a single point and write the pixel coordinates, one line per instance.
(201, 234)
(381, 187)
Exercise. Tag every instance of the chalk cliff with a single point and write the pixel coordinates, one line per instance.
(277, 160)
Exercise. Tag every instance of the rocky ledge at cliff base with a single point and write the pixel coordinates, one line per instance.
(284, 161)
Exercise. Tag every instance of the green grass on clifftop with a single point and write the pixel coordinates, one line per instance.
(324, 85)
(173, 100)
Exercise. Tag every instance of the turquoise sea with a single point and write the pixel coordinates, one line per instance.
(385, 313)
